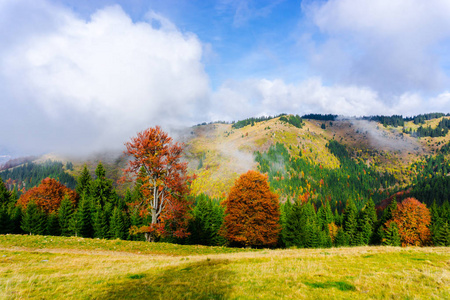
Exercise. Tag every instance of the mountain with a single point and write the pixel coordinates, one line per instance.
(318, 156)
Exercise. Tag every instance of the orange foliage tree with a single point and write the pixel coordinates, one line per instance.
(252, 212)
(48, 195)
(156, 164)
(412, 218)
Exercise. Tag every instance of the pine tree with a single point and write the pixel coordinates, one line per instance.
(15, 219)
(292, 232)
(100, 223)
(207, 218)
(65, 213)
(34, 220)
(116, 225)
(84, 181)
(5, 195)
(341, 238)
(436, 223)
(4, 219)
(53, 225)
(391, 237)
(102, 190)
(136, 220)
(84, 214)
(350, 222)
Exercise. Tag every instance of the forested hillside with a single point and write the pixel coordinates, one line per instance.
(338, 182)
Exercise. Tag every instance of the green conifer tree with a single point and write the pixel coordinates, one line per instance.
(15, 218)
(84, 181)
(53, 225)
(292, 233)
(350, 224)
(117, 227)
(65, 213)
(34, 220)
(391, 236)
(84, 213)
(341, 238)
(5, 195)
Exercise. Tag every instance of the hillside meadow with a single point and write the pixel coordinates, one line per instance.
(48, 267)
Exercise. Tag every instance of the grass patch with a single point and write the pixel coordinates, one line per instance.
(83, 244)
(340, 285)
(337, 273)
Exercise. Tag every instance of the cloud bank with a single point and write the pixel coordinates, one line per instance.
(76, 85)
(72, 84)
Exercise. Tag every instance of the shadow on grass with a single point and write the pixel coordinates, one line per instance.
(208, 279)
(340, 285)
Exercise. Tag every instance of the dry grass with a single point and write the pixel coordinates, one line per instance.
(338, 273)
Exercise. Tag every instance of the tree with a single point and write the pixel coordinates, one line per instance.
(252, 212)
(391, 235)
(207, 219)
(350, 222)
(65, 213)
(164, 183)
(48, 195)
(84, 181)
(5, 195)
(412, 219)
(34, 220)
(101, 188)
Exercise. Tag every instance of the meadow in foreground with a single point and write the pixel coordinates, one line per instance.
(76, 268)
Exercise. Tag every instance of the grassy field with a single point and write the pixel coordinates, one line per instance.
(76, 268)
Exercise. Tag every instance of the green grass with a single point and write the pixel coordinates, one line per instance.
(55, 272)
(81, 244)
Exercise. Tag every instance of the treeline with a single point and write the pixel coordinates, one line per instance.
(432, 181)
(320, 117)
(441, 130)
(395, 120)
(295, 177)
(98, 212)
(293, 120)
(420, 119)
(30, 175)
(252, 121)
(16, 162)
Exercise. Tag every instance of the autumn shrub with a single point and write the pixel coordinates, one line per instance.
(413, 219)
(252, 212)
(48, 195)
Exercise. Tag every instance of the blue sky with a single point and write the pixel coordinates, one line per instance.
(83, 75)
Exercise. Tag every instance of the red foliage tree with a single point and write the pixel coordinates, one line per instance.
(412, 218)
(48, 195)
(252, 212)
(164, 183)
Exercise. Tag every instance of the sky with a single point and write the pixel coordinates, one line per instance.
(78, 76)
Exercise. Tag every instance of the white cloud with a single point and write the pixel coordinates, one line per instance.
(390, 46)
(82, 85)
(237, 100)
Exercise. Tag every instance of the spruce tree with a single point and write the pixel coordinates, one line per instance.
(391, 236)
(292, 233)
(34, 220)
(100, 223)
(136, 220)
(4, 219)
(65, 213)
(15, 219)
(350, 223)
(102, 189)
(5, 195)
(84, 213)
(84, 181)
(116, 225)
(341, 238)
(53, 225)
